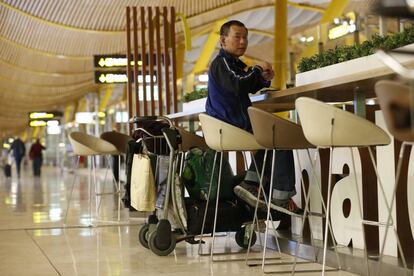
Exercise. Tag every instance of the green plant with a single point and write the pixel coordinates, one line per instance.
(369, 47)
(195, 95)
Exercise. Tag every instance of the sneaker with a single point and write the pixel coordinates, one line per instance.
(289, 207)
(248, 193)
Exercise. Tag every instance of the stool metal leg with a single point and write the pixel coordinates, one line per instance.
(360, 212)
(207, 203)
(117, 186)
(255, 218)
(390, 207)
(257, 202)
(318, 185)
(269, 201)
(328, 207)
(327, 218)
(90, 188)
(303, 219)
(217, 203)
(75, 176)
(215, 214)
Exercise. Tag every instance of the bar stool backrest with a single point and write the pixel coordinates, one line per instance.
(84, 144)
(325, 125)
(221, 136)
(118, 139)
(190, 140)
(394, 99)
(273, 132)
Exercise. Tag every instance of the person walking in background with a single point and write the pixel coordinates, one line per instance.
(19, 150)
(36, 156)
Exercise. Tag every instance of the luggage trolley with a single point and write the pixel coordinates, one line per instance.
(158, 234)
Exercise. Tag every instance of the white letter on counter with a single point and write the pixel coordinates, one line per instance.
(347, 228)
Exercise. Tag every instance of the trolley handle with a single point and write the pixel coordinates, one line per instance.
(136, 119)
(395, 65)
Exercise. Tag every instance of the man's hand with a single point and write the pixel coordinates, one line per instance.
(267, 72)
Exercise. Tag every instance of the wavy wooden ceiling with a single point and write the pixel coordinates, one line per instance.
(47, 46)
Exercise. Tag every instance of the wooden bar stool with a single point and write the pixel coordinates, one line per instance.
(276, 133)
(326, 126)
(223, 137)
(395, 102)
(88, 145)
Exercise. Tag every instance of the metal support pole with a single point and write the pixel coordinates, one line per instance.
(359, 103)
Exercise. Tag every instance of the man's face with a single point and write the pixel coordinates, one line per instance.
(235, 43)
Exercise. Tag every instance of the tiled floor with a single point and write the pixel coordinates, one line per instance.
(35, 241)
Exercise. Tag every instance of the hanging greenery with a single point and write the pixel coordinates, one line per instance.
(195, 95)
(369, 47)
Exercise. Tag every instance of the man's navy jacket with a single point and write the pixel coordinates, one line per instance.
(229, 87)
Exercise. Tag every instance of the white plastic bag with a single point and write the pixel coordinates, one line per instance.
(143, 193)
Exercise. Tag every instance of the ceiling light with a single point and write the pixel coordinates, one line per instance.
(310, 39)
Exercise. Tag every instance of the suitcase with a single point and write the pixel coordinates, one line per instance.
(230, 217)
(7, 170)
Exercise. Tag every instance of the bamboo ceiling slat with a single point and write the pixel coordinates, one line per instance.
(42, 90)
(63, 76)
(41, 52)
(40, 80)
(104, 15)
(21, 75)
(29, 79)
(31, 59)
(25, 105)
(21, 100)
(34, 34)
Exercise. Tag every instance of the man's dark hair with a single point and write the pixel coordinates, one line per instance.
(225, 28)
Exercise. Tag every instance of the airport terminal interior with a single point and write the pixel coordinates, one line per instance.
(122, 151)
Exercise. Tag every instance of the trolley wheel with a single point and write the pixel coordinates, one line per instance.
(240, 238)
(152, 242)
(143, 235)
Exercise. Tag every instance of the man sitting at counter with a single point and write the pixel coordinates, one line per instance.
(229, 85)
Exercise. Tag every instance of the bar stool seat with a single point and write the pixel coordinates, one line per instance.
(222, 137)
(118, 140)
(273, 132)
(190, 140)
(87, 145)
(326, 126)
